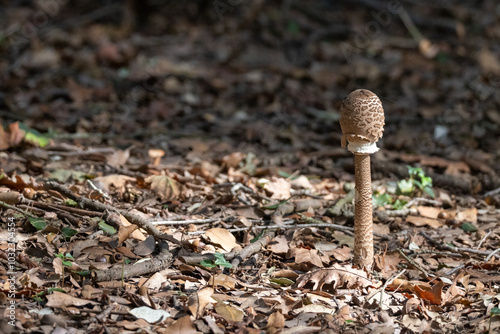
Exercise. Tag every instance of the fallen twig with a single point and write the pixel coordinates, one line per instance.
(98, 206)
(251, 249)
(461, 250)
(124, 271)
(415, 264)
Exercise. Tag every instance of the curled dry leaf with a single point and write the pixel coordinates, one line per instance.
(338, 276)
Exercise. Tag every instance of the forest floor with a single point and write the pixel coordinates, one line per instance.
(184, 174)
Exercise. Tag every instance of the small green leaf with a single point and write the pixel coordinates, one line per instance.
(468, 227)
(67, 263)
(50, 290)
(293, 28)
(382, 200)
(405, 186)
(495, 311)
(221, 261)
(426, 181)
(207, 263)
(70, 202)
(257, 237)
(82, 273)
(429, 191)
(284, 174)
(283, 281)
(68, 232)
(38, 223)
(108, 229)
(275, 206)
(399, 204)
(33, 136)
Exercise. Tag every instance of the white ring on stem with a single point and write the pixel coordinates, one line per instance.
(362, 148)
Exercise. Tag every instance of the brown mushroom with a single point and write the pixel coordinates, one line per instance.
(362, 123)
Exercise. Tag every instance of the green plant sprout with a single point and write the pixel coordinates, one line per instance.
(219, 261)
(416, 184)
(65, 258)
(416, 181)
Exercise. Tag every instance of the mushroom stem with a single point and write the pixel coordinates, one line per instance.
(363, 212)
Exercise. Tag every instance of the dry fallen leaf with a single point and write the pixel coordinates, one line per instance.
(279, 188)
(221, 237)
(164, 186)
(307, 256)
(276, 320)
(229, 312)
(279, 245)
(60, 299)
(183, 325)
(422, 221)
(199, 300)
(337, 275)
(467, 215)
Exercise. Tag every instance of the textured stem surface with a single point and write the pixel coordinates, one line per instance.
(363, 212)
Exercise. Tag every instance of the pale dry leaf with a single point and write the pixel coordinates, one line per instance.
(308, 256)
(199, 300)
(276, 320)
(164, 186)
(279, 245)
(429, 211)
(60, 299)
(58, 266)
(149, 314)
(117, 180)
(118, 158)
(341, 254)
(225, 281)
(279, 188)
(183, 325)
(233, 160)
(467, 215)
(422, 221)
(301, 182)
(229, 312)
(315, 308)
(221, 237)
(338, 276)
(136, 234)
(155, 282)
(489, 61)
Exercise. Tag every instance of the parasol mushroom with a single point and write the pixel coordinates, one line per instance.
(362, 123)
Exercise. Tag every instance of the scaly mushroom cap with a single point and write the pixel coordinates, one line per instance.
(362, 121)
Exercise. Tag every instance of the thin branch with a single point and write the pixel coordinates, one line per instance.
(461, 250)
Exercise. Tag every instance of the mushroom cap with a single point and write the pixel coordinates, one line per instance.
(361, 119)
